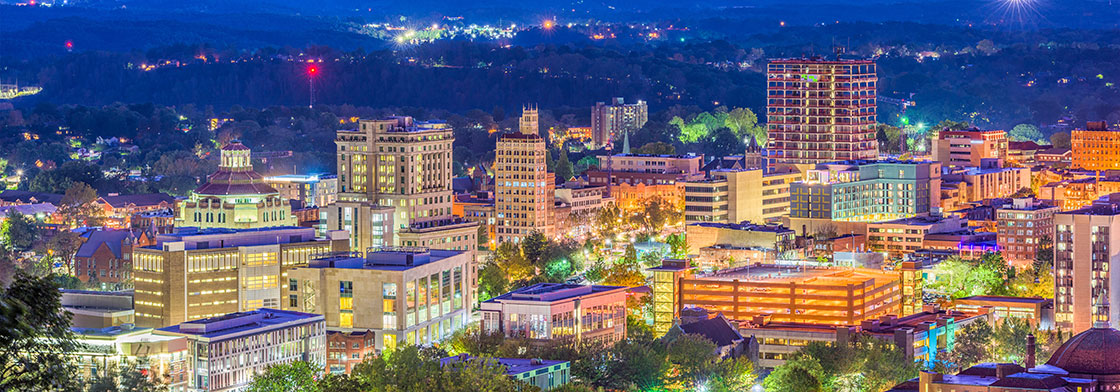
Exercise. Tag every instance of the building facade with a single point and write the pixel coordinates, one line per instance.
(524, 188)
(967, 148)
(867, 191)
(313, 190)
(235, 197)
(402, 295)
(608, 120)
(733, 196)
(196, 274)
(554, 311)
(1096, 147)
(1021, 227)
(821, 110)
(1084, 249)
(394, 186)
(228, 350)
(346, 349)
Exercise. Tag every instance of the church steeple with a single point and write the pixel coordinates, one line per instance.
(625, 142)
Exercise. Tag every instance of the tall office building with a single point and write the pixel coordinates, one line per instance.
(235, 197)
(1084, 248)
(394, 186)
(734, 196)
(194, 274)
(611, 119)
(524, 188)
(821, 110)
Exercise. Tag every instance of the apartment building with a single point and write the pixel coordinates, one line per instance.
(1021, 226)
(988, 181)
(821, 110)
(610, 119)
(318, 189)
(402, 295)
(904, 236)
(194, 274)
(1084, 249)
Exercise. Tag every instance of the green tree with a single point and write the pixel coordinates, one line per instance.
(972, 346)
(35, 337)
(793, 376)
(564, 166)
(678, 245)
(78, 206)
(296, 376)
(692, 359)
(18, 232)
(656, 148)
(1026, 133)
(744, 123)
(471, 339)
(133, 380)
(1060, 140)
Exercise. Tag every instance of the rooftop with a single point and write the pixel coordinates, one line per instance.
(771, 273)
(232, 324)
(745, 226)
(550, 292)
(301, 178)
(998, 298)
(513, 366)
(384, 258)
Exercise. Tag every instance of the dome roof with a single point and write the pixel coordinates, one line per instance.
(1094, 352)
(234, 145)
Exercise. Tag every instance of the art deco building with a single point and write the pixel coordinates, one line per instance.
(194, 274)
(524, 188)
(394, 186)
(235, 197)
(821, 110)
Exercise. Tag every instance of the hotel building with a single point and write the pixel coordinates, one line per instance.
(551, 311)
(866, 191)
(225, 352)
(524, 188)
(195, 274)
(821, 110)
(402, 295)
(734, 196)
(313, 190)
(394, 186)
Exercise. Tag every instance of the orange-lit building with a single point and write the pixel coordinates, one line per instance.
(631, 196)
(839, 296)
(1096, 147)
(967, 148)
(1070, 195)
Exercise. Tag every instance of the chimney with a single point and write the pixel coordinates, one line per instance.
(1028, 362)
(1005, 369)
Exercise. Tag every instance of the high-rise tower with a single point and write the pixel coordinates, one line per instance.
(821, 111)
(524, 188)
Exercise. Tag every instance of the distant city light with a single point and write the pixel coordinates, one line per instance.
(312, 70)
(549, 24)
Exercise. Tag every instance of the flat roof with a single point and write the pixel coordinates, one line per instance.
(551, 292)
(513, 366)
(384, 259)
(745, 227)
(770, 273)
(232, 324)
(999, 298)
